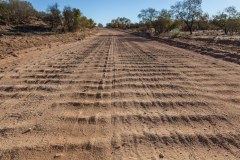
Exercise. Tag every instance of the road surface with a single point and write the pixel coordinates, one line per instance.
(118, 96)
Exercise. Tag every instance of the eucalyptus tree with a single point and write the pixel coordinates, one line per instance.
(228, 20)
(55, 16)
(148, 17)
(188, 11)
(163, 22)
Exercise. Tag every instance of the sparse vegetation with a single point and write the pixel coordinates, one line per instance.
(18, 12)
(71, 18)
(149, 17)
(55, 17)
(163, 22)
(187, 11)
(100, 25)
(228, 20)
(184, 16)
(120, 22)
(86, 23)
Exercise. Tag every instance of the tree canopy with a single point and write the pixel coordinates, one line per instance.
(120, 22)
(17, 12)
(228, 20)
(188, 11)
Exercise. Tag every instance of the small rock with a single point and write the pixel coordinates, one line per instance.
(58, 155)
(14, 55)
(161, 155)
(29, 130)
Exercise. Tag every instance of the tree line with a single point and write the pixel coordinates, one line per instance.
(17, 12)
(186, 15)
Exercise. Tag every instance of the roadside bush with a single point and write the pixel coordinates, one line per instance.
(175, 33)
(54, 17)
(120, 22)
(71, 18)
(164, 22)
(3, 12)
(16, 12)
(86, 23)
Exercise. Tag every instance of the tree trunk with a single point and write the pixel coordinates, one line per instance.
(225, 30)
(190, 29)
(189, 26)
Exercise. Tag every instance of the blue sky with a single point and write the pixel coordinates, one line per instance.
(103, 11)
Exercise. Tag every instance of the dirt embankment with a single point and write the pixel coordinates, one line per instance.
(11, 44)
(222, 48)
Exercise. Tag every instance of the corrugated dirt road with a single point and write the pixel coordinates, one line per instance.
(117, 96)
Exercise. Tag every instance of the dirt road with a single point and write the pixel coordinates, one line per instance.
(117, 96)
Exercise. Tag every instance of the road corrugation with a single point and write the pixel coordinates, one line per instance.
(117, 96)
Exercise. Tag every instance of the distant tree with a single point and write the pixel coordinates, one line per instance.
(134, 25)
(71, 18)
(228, 20)
(109, 25)
(113, 24)
(164, 22)
(68, 17)
(86, 23)
(77, 18)
(100, 25)
(188, 11)
(16, 12)
(220, 20)
(148, 16)
(4, 12)
(120, 22)
(203, 22)
(179, 25)
(233, 19)
(91, 23)
(123, 22)
(55, 16)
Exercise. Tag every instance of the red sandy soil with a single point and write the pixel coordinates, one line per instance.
(12, 44)
(117, 96)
